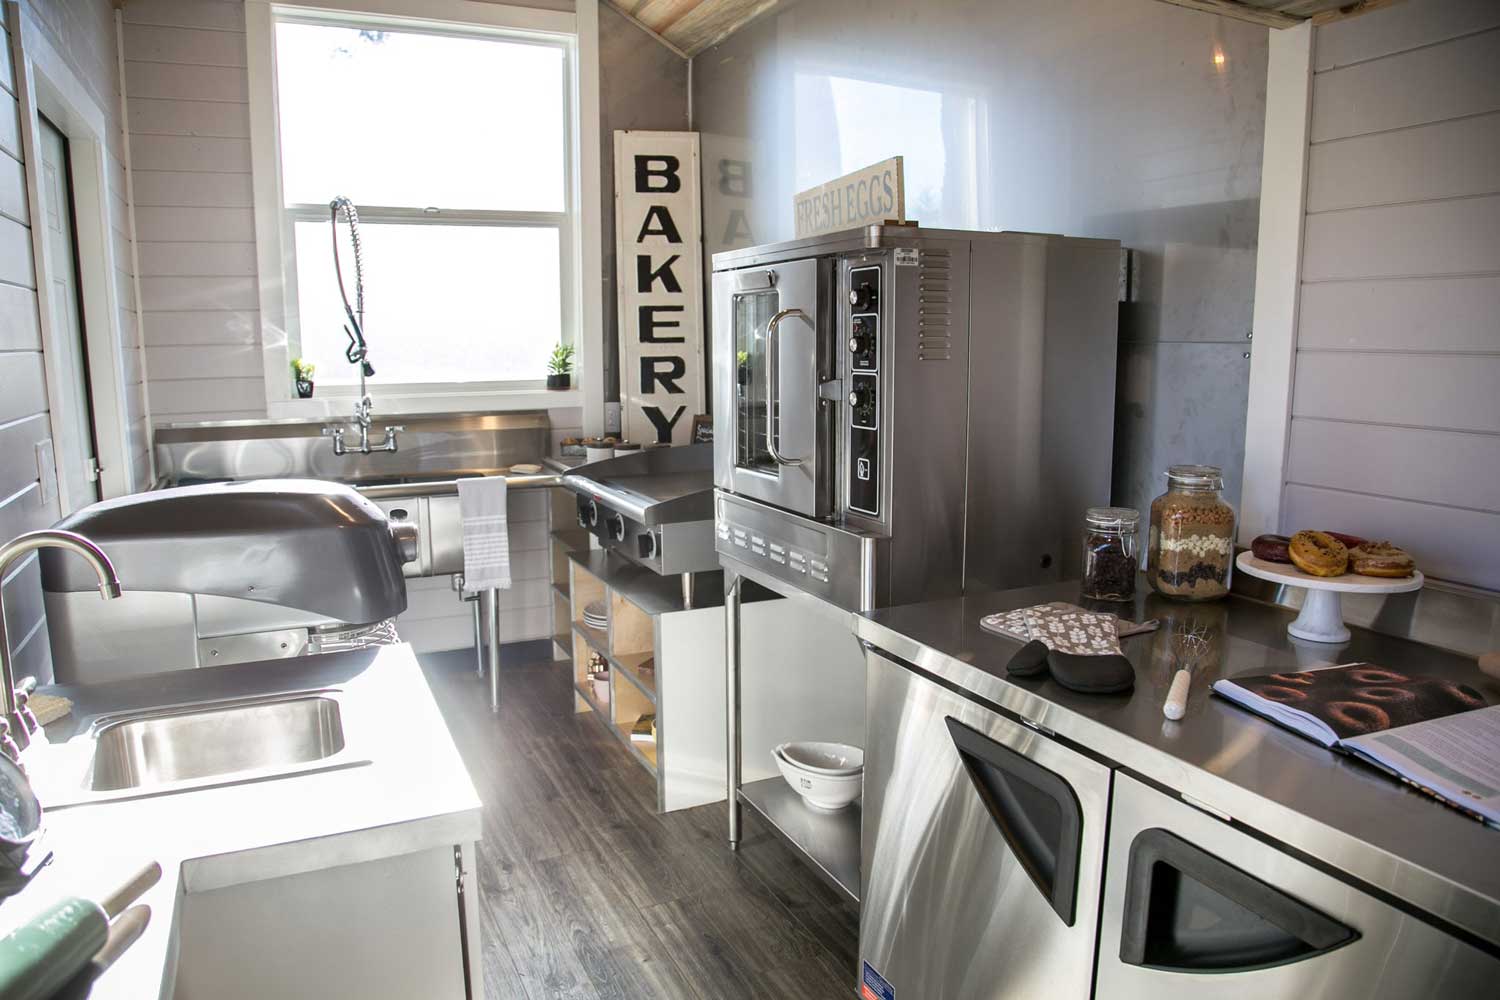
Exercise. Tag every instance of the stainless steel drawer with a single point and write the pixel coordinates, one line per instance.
(1193, 907)
(982, 849)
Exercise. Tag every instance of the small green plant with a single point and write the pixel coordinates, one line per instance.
(302, 370)
(561, 362)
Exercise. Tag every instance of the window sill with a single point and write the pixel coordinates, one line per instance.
(389, 403)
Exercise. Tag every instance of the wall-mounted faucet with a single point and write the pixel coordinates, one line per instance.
(358, 351)
(19, 723)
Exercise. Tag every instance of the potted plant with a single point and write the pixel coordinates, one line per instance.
(560, 367)
(302, 374)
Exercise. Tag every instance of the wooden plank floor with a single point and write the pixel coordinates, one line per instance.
(586, 892)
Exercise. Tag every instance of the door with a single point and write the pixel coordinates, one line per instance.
(1194, 908)
(73, 421)
(767, 334)
(982, 850)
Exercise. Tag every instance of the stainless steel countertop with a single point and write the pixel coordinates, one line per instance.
(411, 793)
(1342, 813)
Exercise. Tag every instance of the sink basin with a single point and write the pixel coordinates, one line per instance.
(202, 742)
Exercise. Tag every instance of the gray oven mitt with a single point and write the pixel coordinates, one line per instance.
(1109, 673)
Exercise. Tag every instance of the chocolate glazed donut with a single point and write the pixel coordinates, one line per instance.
(1358, 716)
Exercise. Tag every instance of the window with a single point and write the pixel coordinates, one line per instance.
(456, 144)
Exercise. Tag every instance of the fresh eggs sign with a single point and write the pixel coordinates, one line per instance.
(660, 277)
(866, 197)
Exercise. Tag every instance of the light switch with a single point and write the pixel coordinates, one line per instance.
(46, 470)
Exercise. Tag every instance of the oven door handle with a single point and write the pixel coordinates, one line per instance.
(773, 387)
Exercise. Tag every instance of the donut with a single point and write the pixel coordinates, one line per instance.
(1318, 553)
(1350, 541)
(1271, 548)
(1381, 559)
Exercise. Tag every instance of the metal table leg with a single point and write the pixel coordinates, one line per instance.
(478, 638)
(687, 591)
(492, 618)
(732, 700)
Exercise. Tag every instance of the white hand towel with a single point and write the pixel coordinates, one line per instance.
(481, 511)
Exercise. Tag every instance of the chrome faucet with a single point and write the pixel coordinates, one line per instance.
(362, 420)
(19, 724)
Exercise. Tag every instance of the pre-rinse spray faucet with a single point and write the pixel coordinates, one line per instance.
(357, 352)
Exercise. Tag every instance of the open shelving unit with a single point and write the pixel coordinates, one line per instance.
(664, 659)
(565, 536)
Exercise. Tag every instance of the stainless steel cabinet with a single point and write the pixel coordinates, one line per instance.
(982, 846)
(1193, 907)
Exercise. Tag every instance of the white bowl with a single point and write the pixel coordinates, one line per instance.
(823, 758)
(823, 792)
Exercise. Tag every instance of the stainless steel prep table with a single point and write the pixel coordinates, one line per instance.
(1340, 815)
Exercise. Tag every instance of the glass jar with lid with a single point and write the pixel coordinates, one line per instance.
(1190, 549)
(1109, 553)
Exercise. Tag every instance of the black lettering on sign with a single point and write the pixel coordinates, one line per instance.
(662, 423)
(645, 277)
(738, 227)
(663, 371)
(734, 178)
(649, 324)
(646, 174)
(664, 225)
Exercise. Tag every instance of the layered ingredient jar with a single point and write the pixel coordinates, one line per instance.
(1190, 549)
(1109, 553)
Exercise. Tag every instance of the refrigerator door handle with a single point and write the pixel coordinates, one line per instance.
(1189, 911)
(1035, 810)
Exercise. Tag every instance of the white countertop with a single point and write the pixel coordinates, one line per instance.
(413, 793)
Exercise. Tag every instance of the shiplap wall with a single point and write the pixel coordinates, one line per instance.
(1395, 426)
(83, 33)
(23, 399)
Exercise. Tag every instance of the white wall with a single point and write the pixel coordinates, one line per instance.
(1395, 413)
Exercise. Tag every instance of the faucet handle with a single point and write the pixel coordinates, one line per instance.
(24, 690)
(8, 746)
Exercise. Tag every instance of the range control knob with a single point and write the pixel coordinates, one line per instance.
(862, 297)
(859, 342)
(593, 513)
(646, 545)
(615, 526)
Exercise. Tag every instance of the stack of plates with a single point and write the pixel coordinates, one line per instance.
(828, 776)
(596, 616)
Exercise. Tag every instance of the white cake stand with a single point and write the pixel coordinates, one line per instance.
(1322, 617)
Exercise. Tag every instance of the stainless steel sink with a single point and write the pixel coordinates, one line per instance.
(201, 743)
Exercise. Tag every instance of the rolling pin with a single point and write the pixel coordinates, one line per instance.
(40, 957)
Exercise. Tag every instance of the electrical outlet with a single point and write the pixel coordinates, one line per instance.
(611, 418)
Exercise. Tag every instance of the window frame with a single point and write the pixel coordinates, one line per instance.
(578, 224)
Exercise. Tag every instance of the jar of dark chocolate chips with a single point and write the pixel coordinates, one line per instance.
(1109, 553)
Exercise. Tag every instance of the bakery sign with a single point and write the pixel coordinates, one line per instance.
(659, 265)
(866, 197)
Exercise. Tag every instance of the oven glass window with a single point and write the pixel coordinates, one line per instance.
(752, 313)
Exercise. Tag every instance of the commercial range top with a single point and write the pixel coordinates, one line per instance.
(655, 507)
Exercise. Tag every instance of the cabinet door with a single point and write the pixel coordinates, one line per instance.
(982, 848)
(1193, 907)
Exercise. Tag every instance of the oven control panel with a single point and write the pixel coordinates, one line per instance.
(864, 342)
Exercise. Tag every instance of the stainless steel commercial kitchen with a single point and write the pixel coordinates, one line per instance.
(708, 499)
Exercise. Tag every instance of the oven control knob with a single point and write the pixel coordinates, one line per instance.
(646, 545)
(593, 513)
(859, 398)
(615, 526)
(862, 298)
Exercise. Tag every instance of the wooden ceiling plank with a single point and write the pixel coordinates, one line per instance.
(711, 22)
(1228, 8)
(662, 14)
(658, 36)
(1352, 10)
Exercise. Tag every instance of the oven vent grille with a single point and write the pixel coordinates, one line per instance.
(935, 307)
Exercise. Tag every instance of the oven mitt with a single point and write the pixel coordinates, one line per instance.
(1107, 674)
(1029, 661)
